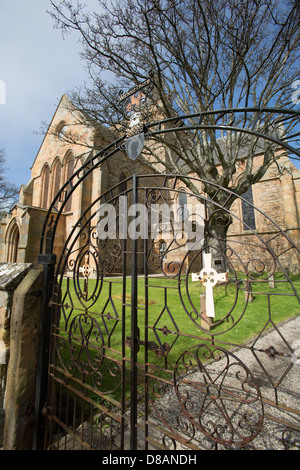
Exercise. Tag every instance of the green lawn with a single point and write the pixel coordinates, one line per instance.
(172, 316)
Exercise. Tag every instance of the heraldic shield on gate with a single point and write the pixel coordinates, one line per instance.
(150, 303)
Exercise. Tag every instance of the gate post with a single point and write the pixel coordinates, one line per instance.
(134, 330)
(48, 261)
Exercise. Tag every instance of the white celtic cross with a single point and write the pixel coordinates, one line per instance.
(209, 277)
(86, 270)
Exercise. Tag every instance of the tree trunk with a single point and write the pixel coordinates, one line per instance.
(215, 241)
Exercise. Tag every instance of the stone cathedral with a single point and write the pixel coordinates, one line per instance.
(277, 194)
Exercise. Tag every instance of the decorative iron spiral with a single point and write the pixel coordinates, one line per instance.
(218, 395)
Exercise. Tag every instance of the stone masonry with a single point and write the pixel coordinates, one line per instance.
(20, 309)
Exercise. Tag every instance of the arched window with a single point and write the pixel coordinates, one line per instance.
(248, 210)
(13, 242)
(61, 129)
(163, 250)
(45, 187)
(56, 183)
(69, 170)
(182, 210)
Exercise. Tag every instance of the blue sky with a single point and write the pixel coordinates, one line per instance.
(37, 66)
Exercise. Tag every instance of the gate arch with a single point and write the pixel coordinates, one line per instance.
(194, 122)
(123, 350)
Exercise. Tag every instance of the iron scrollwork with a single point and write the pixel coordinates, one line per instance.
(220, 397)
(86, 344)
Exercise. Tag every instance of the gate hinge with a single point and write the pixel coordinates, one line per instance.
(160, 351)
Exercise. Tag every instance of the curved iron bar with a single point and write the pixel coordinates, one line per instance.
(188, 193)
(118, 145)
(218, 187)
(86, 169)
(83, 223)
(218, 395)
(261, 243)
(222, 112)
(227, 128)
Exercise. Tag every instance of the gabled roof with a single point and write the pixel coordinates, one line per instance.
(65, 105)
(64, 97)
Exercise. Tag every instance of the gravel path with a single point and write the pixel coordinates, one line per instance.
(277, 378)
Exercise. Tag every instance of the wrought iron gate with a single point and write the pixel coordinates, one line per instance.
(162, 336)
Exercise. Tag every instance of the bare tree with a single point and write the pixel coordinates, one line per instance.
(8, 192)
(206, 55)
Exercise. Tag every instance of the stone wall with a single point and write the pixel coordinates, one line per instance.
(20, 307)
